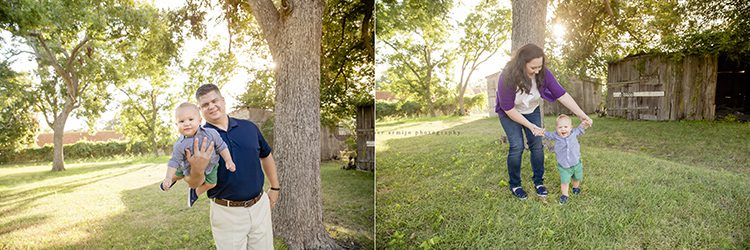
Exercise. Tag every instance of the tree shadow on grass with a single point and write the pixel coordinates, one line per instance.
(153, 219)
(22, 223)
(29, 177)
(158, 220)
(22, 200)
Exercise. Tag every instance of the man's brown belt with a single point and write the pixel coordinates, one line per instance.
(228, 203)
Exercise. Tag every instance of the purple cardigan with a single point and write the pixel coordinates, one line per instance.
(505, 98)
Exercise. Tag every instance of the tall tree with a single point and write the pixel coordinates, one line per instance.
(611, 29)
(347, 61)
(486, 29)
(529, 22)
(212, 65)
(417, 33)
(80, 48)
(17, 124)
(298, 217)
(146, 113)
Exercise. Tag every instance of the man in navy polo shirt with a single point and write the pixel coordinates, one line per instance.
(240, 212)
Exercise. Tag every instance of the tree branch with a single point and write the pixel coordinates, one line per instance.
(74, 52)
(365, 29)
(269, 19)
(407, 63)
(51, 57)
(137, 109)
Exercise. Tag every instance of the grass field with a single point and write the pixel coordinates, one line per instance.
(442, 183)
(116, 204)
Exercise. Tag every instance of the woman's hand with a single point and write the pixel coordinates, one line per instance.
(537, 131)
(587, 120)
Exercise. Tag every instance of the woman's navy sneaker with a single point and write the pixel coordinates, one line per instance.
(576, 191)
(519, 193)
(541, 190)
(563, 199)
(192, 197)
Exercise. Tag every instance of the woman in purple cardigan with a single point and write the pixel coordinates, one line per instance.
(524, 82)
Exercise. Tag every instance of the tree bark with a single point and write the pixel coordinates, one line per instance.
(58, 128)
(154, 121)
(529, 19)
(428, 92)
(293, 33)
(461, 93)
(529, 25)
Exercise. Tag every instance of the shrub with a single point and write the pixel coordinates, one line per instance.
(385, 109)
(79, 150)
(409, 108)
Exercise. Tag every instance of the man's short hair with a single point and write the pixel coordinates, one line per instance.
(205, 89)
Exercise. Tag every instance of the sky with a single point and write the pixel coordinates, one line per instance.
(191, 47)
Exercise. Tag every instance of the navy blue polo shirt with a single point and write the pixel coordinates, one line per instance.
(246, 145)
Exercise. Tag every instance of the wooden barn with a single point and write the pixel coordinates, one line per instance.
(659, 87)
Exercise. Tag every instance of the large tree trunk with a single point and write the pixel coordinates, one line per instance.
(529, 18)
(461, 93)
(293, 34)
(154, 122)
(428, 88)
(58, 126)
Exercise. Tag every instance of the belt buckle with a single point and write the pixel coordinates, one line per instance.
(247, 203)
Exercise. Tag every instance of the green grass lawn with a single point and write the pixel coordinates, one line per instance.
(647, 185)
(116, 204)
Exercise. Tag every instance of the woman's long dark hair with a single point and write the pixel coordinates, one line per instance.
(515, 70)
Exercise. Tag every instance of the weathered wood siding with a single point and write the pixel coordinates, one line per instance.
(586, 92)
(651, 87)
(365, 134)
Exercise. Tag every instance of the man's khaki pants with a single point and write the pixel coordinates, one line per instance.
(242, 227)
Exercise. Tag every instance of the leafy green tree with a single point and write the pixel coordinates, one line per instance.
(81, 47)
(212, 65)
(416, 32)
(259, 92)
(347, 61)
(610, 30)
(146, 114)
(17, 124)
(486, 29)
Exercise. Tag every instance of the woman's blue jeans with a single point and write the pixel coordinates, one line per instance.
(515, 132)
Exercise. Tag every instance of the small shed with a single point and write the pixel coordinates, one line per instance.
(491, 92)
(659, 87)
(366, 137)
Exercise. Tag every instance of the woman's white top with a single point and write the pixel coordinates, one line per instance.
(527, 103)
